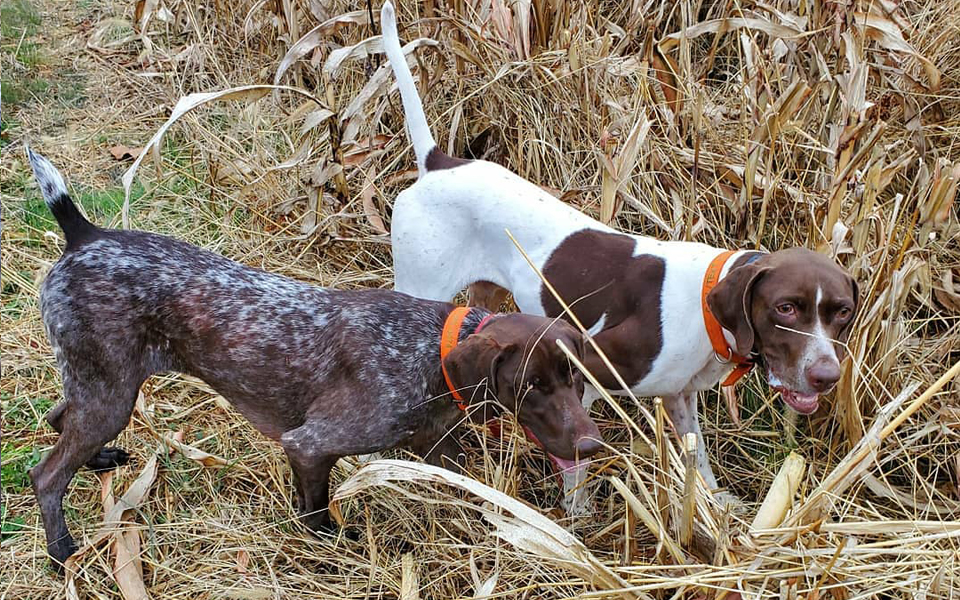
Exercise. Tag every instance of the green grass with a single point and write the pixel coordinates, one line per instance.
(24, 412)
(19, 22)
(18, 18)
(9, 526)
(8, 126)
(33, 217)
(21, 81)
(16, 464)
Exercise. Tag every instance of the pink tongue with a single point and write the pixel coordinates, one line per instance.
(563, 464)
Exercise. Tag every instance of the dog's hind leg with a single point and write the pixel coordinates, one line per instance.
(94, 412)
(107, 459)
(486, 295)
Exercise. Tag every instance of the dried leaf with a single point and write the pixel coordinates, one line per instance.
(315, 36)
(401, 177)
(367, 148)
(314, 119)
(728, 26)
(121, 152)
(380, 81)
(779, 497)
(110, 35)
(117, 514)
(617, 170)
(142, 13)
(175, 442)
(243, 561)
(409, 580)
(733, 404)
(128, 569)
(524, 527)
(481, 589)
(368, 47)
(664, 69)
(948, 292)
(888, 34)
(369, 207)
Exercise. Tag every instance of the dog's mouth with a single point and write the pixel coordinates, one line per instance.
(563, 464)
(805, 404)
(566, 465)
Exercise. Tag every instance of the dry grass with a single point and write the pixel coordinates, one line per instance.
(824, 124)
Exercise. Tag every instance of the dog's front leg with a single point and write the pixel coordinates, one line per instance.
(440, 448)
(682, 409)
(311, 466)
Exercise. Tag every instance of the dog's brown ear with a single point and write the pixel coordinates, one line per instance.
(845, 332)
(477, 360)
(730, 301)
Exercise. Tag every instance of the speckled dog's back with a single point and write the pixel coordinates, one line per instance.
(327, 373)
(156, 302)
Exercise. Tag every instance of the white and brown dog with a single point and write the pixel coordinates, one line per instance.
(673, 317)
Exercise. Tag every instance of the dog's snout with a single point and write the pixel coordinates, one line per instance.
(587, 446)
(823, 375)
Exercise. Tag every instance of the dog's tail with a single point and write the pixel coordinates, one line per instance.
(420, 135)
(75, 227)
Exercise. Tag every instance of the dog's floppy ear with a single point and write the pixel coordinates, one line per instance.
(730, 302)
(845, 332)
(477, 359)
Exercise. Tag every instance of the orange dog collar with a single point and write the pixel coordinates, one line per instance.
(448, 341)
(714, 330)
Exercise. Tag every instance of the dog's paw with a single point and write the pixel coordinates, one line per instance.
(578, 503)
(109, 458)
(60, 552)
(332, 531)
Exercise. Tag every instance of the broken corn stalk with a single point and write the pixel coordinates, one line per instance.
(781, 493)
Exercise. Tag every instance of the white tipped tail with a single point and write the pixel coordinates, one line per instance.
(75, 226)
(417, 126)
(52, 185)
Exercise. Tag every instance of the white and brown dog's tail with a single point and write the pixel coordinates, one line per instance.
(417, 126)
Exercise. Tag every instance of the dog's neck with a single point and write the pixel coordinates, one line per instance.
(456, 328)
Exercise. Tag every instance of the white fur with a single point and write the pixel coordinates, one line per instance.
(598, 326)
(416, 120)
(52, 185)
(450, 230)
(819, 346)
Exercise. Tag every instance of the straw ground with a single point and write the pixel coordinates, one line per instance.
(831, 125)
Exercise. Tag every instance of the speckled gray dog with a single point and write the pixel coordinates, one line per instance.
(327, 373)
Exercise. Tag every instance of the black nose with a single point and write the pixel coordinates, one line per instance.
(587, 447)
(823, 374)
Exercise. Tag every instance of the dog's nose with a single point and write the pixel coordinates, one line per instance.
(587, 447)
(823, 374)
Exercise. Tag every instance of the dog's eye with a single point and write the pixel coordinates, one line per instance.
(787, 309)
(536, 382)
(844, 312)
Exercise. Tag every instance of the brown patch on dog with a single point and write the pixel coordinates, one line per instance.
(438, 161)
(598, 276)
